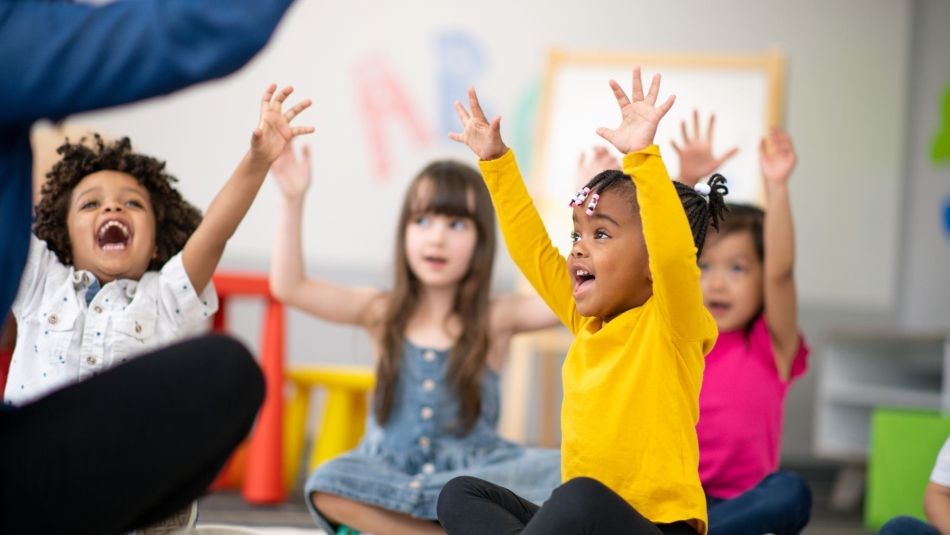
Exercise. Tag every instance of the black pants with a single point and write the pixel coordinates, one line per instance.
(130, 446)
(471, 506)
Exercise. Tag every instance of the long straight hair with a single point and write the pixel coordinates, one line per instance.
(452, 189)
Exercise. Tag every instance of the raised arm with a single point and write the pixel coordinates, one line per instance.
(666, 230)
(288, 282)
(777, 157)
(204, 248)
(61, 58)
(695, 153)
(525, 236)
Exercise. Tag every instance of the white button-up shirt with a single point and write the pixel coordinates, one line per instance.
(62, 340)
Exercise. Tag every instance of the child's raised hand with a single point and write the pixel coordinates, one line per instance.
(274, 132)
(588, 168)
(640, 116)
(696, 156)
(292, 174)
(777, 156)
(482, 137)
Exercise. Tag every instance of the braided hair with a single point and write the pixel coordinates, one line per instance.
(175, 218)
(701, 210)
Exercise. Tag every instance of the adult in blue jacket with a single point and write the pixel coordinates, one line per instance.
(143, 440)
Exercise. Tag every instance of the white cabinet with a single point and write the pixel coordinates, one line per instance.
(862, 370)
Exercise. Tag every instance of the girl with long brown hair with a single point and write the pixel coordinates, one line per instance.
(440, 340)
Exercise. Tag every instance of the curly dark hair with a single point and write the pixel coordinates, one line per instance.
(701, 210)
(175, 218)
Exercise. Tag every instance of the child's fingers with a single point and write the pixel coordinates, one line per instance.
(685, 133)
(654, 90)
(283, 94)
(676, 148)
(305, 154)
(301, 130)
(696, 122)
(607, 134)
(474, 105)
(268, 94)
(456, 137)
(637, 85)
(496, 126)
(727, 156)
(462, 113)
(710, 128)
(665, 107)
(293, 112)
(619, 94)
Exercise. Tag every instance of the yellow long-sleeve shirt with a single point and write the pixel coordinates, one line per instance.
(631, 386)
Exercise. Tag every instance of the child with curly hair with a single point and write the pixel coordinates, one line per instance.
(120, 262)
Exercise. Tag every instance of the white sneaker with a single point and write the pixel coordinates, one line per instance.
(174, 523)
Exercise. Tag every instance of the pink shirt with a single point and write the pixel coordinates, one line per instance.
(740, 411)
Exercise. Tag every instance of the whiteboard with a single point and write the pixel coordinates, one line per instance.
(743, 91)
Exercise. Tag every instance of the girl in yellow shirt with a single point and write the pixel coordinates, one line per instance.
(630, 293)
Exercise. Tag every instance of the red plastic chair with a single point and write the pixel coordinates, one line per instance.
(261, 463)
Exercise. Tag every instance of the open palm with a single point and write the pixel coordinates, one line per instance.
(482, 136)
(274, 132)
(639, 116)
(292, 174)
(696, 154)
(777, 156)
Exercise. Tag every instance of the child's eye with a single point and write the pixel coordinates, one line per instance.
(89, 204)
(422, 220)
(575, 237)
(736, 268)
(600, 235)
(458, 224)
(135, 204)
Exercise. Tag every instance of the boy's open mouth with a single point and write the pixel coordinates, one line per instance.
(583, 279)
(113, 235)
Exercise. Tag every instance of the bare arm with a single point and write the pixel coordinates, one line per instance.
(204, 248)
(288, 282)
(515, 314)
(778, 159)
(937, 507)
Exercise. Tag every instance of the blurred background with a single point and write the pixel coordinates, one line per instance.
(864, 92)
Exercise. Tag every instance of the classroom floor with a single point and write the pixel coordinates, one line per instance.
(229, 508)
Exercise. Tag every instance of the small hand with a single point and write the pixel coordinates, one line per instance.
(292, 174)
(640, 116)
(274, 132)
(482, 137)
(777, 156)
(696, 156)
(601, 161)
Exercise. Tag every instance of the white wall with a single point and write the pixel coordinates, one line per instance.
(846, 94)
(847, 90)
(925, 275)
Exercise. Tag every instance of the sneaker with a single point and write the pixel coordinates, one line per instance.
(181, 520)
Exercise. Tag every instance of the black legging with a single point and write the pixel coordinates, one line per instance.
(129, 447)
(582, 506)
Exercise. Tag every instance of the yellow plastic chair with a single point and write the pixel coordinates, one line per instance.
(344, 413)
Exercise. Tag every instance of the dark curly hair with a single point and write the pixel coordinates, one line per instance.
(175, 218)
(701, 210)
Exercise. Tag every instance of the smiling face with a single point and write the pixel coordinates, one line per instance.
(608, 260)
(732, 279)
(111, 226)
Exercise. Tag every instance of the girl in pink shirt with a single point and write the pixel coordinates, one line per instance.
(759, 353)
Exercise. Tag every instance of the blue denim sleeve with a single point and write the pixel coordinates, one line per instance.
(60, 58)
